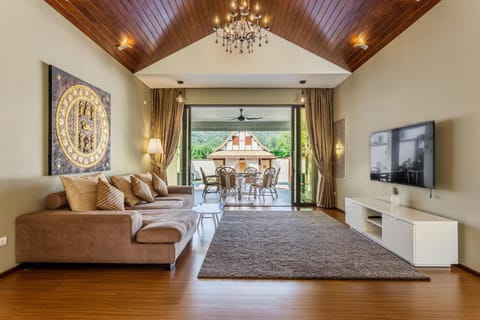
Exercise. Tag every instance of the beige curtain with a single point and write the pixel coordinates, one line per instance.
(319, 114)
(166, 124)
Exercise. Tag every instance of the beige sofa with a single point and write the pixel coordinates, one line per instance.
(153, 233)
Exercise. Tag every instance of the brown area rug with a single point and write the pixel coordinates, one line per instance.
(297, 245)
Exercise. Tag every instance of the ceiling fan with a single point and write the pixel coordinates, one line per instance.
(242, 117)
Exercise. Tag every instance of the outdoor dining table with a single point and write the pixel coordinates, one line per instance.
(240, 177)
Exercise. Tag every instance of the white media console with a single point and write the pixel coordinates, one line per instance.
(420, 238)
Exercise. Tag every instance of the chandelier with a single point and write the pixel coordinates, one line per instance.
(242, 28)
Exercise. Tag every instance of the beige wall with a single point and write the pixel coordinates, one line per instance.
(242, 96)
(430, 72)
(33, 36)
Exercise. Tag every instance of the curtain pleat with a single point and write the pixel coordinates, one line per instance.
(166, 124)
(319, 116)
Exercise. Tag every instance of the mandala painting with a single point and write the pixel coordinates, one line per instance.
(79, 128)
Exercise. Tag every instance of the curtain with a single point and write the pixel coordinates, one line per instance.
(166, 124)
(319, 116)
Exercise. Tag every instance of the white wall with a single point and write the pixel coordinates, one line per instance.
(430, 72)
(33, 36)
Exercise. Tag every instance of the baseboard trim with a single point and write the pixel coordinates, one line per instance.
(470, 270)
(11, 270)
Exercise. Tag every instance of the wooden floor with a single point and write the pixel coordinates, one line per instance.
(147, 292)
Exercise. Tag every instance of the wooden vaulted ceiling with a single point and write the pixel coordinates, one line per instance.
(158, 28)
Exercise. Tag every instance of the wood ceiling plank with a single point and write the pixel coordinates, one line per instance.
(134, 29)
(77, 18)
(161, 27)
(375, 40)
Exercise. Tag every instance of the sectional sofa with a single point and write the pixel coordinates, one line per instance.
(145, 233)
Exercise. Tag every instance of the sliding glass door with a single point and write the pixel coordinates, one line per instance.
(300, 173)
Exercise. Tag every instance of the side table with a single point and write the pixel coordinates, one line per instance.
(208, 210)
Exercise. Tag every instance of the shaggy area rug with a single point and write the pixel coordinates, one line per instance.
(297, 245)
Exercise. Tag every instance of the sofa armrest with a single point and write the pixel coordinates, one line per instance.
(180, 189)
(49, 234)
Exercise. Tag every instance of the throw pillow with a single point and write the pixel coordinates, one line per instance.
(123, 184)
(109, 197)
(82, 191)
(56, 200)
(159, 185)
(141, 189)
(147, 178)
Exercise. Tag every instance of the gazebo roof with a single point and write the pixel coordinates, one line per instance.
(241, 144)
(242, 154)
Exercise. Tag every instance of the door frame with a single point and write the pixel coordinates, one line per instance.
(295, 149)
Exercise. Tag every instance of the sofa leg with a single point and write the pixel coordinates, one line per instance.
(169, 266)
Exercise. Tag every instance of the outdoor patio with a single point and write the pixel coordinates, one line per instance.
(284, 197)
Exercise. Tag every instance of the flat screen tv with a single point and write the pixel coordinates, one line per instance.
(404, 155)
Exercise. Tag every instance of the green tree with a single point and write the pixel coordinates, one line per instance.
(278, 142)
(205, 142)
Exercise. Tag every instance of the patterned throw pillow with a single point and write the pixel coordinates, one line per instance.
(123, 184)
(159, 185)
(109, 197)
(147, 178)
(141, 189)
(81, 191)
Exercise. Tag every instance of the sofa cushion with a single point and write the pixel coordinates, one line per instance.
(159, 185)
(187, 199)
(123, 184)
(147, 178)
(81, 191)
(169, 204)
(141, 189)
(167, 227)
(56, 200)
(109, 197)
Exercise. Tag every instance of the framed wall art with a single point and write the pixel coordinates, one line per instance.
(79, 125)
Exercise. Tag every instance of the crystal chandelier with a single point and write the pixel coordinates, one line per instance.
(242, 29)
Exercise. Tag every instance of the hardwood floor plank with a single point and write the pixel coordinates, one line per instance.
(149, 292)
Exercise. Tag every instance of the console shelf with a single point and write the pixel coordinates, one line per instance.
(377, 221)
(421, 238)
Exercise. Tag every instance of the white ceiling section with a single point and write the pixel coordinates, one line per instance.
(225, 113)
(278, 64)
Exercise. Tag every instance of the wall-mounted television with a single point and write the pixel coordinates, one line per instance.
(404, 155)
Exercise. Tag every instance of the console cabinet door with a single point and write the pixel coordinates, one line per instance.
(354, 215)
(397, 236)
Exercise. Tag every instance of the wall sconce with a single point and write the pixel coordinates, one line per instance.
(362, 46)
(126, 43)
(339, 149)
(360, 42)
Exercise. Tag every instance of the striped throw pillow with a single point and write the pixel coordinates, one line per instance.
(109, 197)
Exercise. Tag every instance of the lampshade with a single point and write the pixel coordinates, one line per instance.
(154, 146)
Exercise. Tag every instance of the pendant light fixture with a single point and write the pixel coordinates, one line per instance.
(301, 98)
(180, 97)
